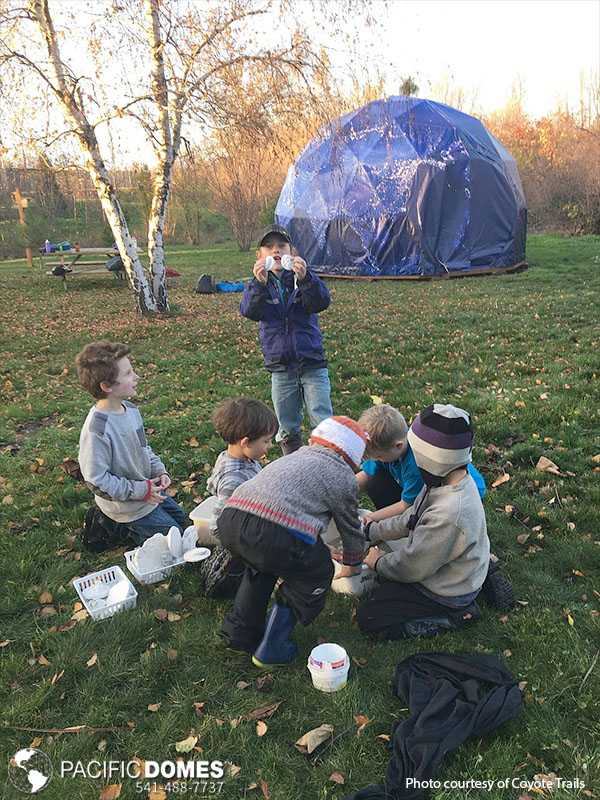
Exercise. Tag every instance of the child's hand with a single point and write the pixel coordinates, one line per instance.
(369, 516)
(155, 495)
(373, 557)
(337, 555)
(346, 571)
(162, 482)
(299, 267)
(260, 271)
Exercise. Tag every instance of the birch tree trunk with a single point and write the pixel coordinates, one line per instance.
(166, 154)
(94, 163)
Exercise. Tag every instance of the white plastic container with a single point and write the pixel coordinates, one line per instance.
(328, 665)
(202, 517)
(110, 577)
(155, 575)
(355, 584)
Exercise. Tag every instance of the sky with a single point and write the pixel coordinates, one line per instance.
(484, 46)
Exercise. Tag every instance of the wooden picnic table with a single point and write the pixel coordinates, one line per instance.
(74, 262)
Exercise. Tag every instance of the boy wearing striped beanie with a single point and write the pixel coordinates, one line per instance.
(435, 556)
(274, 523)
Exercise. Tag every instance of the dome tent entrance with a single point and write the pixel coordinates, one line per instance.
(405, 187)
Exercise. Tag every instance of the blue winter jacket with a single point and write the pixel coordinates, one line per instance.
(289, 329)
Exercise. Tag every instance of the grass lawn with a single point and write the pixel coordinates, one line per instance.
(520, 352)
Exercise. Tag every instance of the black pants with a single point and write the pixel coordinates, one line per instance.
(270, 552)
(383, 489)
(392, 604)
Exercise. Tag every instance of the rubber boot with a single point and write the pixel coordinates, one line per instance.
(276, 648)
(497, 589)
(291, 443)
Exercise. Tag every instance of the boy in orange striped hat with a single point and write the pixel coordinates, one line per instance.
(274, 523)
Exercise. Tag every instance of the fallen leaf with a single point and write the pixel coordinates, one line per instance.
(264, 787)
(571, 526)
(172, 654)
(161, 614)
(264, 683)
(35, 743)
(173, 617)
(504, 619)
(153, 706)
(383, 737)
(186, 745)
(45, 598)
(509, 509)
(56, 677)
(376, 400)
(337, 777)
(545, 465)
(500, 480)
(570, 619)
(8, 500)
(47, 611)
(111, 792)
(193, 442)
(264, 712)
(362, 723)
(43, 661)
(522, 538)
(309, 741)
(522, 685)
(199, 709)
(101, 746)
(157, 793)
(261, 728)
(596, 459)
(140, 767)
(79, 616)
(507, 653)
(92, 660)
(5, 643)
(232, 770)
(242, 685)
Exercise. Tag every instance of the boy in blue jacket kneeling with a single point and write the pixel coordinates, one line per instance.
(285, 297)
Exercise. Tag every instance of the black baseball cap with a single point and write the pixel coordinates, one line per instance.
(271, 229)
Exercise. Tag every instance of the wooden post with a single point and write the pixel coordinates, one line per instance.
(21, 203)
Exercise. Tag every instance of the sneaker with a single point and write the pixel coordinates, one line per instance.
(221, 573)
(497, 590)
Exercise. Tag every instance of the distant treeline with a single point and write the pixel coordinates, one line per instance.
(557, 156)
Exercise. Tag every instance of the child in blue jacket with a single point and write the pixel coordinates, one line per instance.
(285, 297)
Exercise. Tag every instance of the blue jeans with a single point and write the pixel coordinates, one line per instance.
(292, 389)
(159, 520)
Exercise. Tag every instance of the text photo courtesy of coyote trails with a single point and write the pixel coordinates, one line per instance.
(380, 547)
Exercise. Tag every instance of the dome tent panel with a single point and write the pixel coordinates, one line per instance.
(405, 187)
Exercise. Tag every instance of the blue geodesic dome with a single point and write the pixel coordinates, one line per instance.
(405, 187)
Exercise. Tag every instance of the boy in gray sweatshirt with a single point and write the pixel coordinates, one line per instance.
(434, 557)
(274, 523)
(126, 476)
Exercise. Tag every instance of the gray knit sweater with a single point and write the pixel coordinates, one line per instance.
(117, 463)
(448, 551)
(303, 492)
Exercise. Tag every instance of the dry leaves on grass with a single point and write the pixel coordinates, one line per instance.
(504, 478)
(154, 707)
(157, 793)
(264, 712)
(111, 792)
(337, 777)
(309, 741)
(261, 728)
(362, 721)
(186, 745)
(92, 660)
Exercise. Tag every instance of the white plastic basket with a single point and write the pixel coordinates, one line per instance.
(109, 577)
(150, 577)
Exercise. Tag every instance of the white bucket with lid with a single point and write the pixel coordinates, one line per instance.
(328, 665)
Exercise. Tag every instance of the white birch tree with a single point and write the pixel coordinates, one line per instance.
(173, 68)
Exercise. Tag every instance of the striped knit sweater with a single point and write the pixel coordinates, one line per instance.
(303, 492)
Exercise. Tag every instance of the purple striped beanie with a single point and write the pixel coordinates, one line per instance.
(441, 438)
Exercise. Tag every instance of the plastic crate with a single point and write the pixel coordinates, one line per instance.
(108, 576)
(150, 577)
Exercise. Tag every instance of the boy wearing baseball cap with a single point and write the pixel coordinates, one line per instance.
(285, 297)
(274, 523)
(434, 557)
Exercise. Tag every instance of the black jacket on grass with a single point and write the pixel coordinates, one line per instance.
(450, 698)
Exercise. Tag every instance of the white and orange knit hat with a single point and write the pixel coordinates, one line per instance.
(343, 435)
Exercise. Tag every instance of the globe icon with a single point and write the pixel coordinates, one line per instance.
(29, 770)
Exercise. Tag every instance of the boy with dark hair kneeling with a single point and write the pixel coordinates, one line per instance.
(434, 557)
(274, 523)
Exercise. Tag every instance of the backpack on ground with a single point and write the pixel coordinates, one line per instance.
(205, 285)
(101, 533)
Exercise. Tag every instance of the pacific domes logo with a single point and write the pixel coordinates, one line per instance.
(30, 770)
